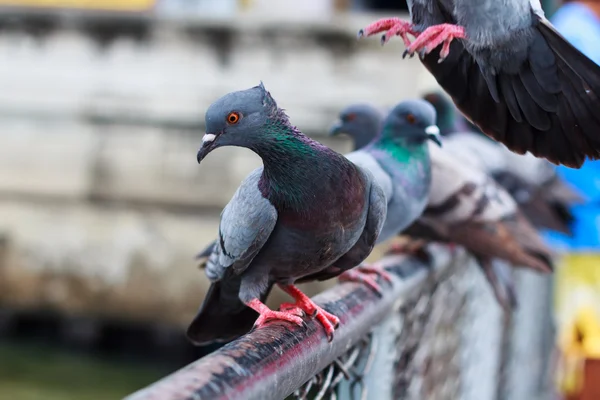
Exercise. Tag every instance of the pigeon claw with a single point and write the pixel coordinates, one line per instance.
(377, 271)
(392, 27)
(266, 314)
(367, 275)
(411, 55)
(305, 305)
(293, 309)
(278, 315)
(355, 276)
(329, 322)
(434, 36)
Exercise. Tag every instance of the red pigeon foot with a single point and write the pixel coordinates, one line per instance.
(266, 314)
(393, 27)
(304, 303)
(366, 274)
(433, 36)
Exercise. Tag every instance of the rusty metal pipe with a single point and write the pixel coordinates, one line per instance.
(272, 362)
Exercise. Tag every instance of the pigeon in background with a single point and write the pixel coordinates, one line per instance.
(360, 122)
(509, 71)
(466, 207)
(398, 158)
(533, 182)
(307, 209)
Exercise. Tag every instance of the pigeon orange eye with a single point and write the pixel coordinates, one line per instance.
(233, 118)
(350, 117)
(411, 119)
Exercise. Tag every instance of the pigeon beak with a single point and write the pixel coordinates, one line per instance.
(433, 134)
(208, 144)
(335, 128)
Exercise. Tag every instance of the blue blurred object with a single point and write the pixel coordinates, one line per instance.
(581, 26)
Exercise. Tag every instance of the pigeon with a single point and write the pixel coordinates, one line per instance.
(533, 182)
(306, 210)
(398, 158)
(467, 207)
(509, 71)
(364, 122)
(449, 119)
(399, 162)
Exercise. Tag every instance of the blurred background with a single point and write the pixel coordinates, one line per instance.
(102, 204)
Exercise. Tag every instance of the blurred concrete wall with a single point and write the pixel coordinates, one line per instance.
(102, 203)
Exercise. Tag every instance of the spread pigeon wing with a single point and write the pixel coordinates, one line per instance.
(549, 106)
(246, 224)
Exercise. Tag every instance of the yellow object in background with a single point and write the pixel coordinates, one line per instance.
(578, 317)
(591, 347)
(107, 5)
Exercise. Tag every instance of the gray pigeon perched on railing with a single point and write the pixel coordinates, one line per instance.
(509, 71)
(306, 210)
(398, 158)
(468, 208)
(399, 162)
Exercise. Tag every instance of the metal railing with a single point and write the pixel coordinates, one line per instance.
(435, 333)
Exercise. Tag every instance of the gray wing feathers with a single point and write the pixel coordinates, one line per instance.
(246, 224)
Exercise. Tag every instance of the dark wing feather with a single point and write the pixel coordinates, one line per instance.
(222, 316)
(549, 107)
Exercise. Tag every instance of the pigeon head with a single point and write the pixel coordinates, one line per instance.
(449, 119)
(360, 121)
(411, 122)
(239, 119)
(445, 111)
